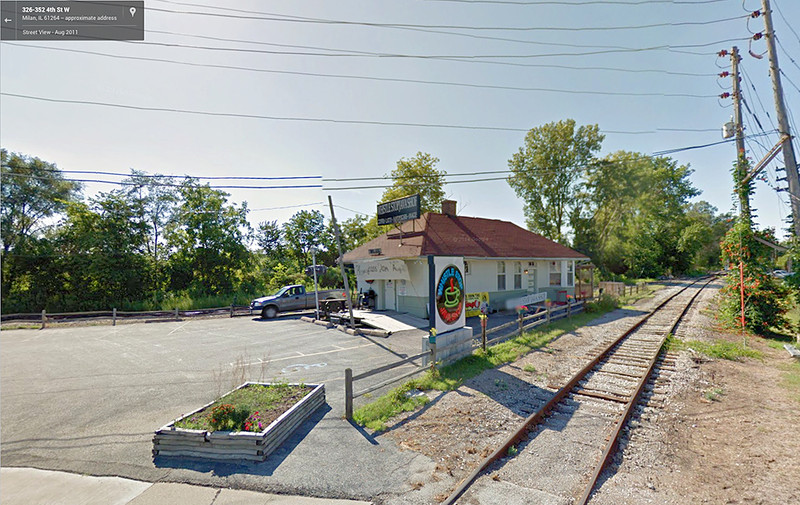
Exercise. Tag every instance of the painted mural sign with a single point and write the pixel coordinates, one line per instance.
(526, 300)
(450, 295)
(385, 269)
(473, 304)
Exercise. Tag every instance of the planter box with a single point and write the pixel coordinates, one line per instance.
(227, 445)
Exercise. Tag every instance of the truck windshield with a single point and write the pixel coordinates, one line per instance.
(281, 291)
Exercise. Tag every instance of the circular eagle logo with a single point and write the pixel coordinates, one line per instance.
(450, 295)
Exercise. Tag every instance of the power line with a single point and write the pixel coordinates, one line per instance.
(279, 118)
(268, 16)
(362, 77)
(163, 176)
(680, 149)
(579, 3)
(785, 21)
(164, 184)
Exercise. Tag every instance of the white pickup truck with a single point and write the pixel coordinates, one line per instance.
(290, 298)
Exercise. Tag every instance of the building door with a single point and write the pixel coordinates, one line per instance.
(389, 295)
(532, 287)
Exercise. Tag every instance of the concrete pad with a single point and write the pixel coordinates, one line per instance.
(29, 486)
(176, 494)
(390, 320)
(241, 497)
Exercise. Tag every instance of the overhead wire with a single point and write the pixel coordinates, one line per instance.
(287, 118)
(164, 184)
(268, 16)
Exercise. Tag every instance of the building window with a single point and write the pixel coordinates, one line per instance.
(517, 275)
(466, 268)
(570, 273)
(501, 275)
(555, 273)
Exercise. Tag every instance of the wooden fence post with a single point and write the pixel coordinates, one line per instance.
(114, 316)
(433, 356)
(548, 314)
(348, 394)
(569, 309)
(231, 310)
(44, 319)
(520, 322)
(484, 323)
(176, 313)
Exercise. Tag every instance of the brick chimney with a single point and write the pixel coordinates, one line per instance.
(449, 207)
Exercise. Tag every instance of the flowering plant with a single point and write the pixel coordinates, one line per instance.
(253, 422)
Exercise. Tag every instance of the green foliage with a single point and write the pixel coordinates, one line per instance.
(602, 304)
(304, 231)
(32, 191)
(269, 238)
(634, 218)
(547, 173)
(208, 239)
(447, 378)
(720, 349)
(418, 175)
(245, 409)
(766, 299)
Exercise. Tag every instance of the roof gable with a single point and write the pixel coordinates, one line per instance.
(444, 235)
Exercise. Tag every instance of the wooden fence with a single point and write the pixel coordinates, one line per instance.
(44, 318)
(521, 324)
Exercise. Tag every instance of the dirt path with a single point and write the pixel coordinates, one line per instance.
(741, 447)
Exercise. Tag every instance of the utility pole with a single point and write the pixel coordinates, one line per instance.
(341, 264)
(783, 123)
(742, 187)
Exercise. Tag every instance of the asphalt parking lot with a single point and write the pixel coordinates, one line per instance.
(87, 400)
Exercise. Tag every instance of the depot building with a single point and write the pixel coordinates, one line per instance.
(496, 262)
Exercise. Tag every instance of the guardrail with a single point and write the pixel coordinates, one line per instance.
(523, 323)
(44, 318)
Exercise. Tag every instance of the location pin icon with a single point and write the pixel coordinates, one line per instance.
(133, 11)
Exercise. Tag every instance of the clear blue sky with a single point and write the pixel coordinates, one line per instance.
(89, 137)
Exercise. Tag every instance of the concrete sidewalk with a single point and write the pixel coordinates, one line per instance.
(29, 486)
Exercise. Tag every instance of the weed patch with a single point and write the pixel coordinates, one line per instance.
(375, 415)
(721, 349)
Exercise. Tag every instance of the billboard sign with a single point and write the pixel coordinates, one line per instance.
(397, 211)
(448, 294)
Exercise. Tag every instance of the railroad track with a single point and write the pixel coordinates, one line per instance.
(560, 451)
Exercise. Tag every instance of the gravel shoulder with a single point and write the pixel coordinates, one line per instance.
(742, 447)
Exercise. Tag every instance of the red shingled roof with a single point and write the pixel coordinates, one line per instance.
(445, 235)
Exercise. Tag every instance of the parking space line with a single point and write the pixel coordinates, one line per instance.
(307, 355)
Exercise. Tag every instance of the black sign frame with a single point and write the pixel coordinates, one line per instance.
(400, 210)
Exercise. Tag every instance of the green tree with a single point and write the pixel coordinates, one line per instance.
(103, 245)
(631, 216)
(269, 238)
(208, 237)
(418, 175)
(547, 172)
(33, 191)
(304, 230)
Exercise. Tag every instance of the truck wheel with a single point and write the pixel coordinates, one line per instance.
(269, 312)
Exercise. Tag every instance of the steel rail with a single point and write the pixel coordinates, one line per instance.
(614, 439)
(537, 416)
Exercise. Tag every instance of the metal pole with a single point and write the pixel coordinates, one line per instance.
(348, 394)
(341, 263)
(316, 291)
(742, 188)
(44, 318)
(789, 158)
(113, 317)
